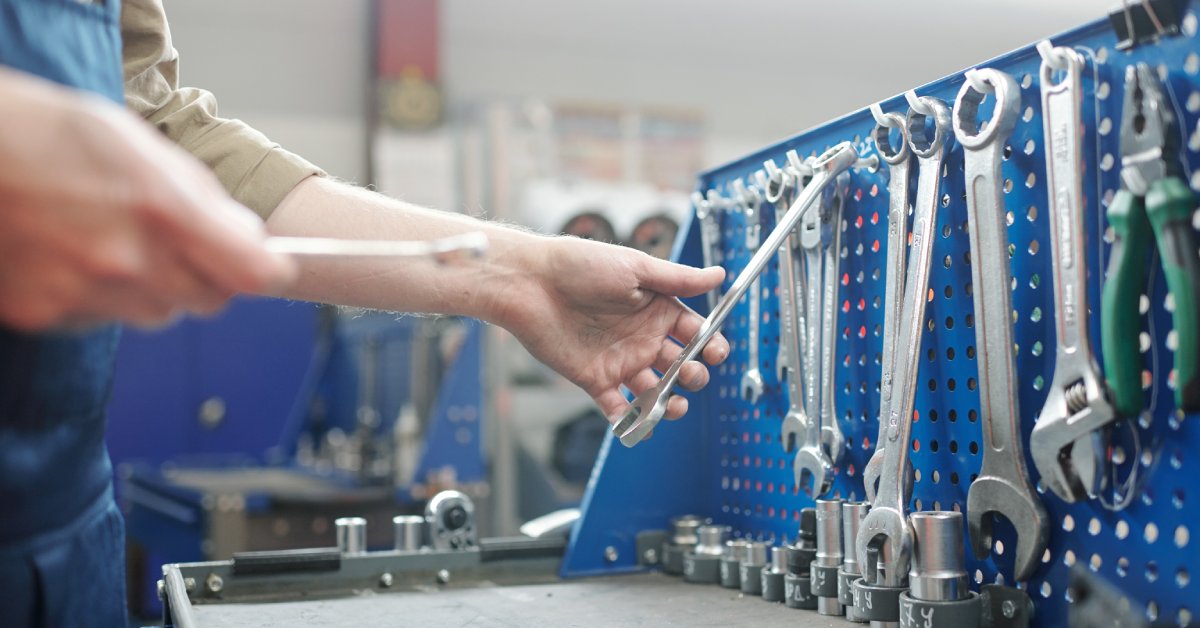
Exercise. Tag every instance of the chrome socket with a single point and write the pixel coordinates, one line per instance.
(824, 568)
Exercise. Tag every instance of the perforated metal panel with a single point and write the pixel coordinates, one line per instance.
(725, 460)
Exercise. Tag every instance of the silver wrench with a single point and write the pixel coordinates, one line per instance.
(1003, 485)
(795, 421)
(893, 290)
(710, 234)
(750, 200)
(812, 461)
(647, 409)
(885, 529)
(1067, 443)
(831, 255)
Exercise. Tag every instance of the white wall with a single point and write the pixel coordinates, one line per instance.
(758, 69)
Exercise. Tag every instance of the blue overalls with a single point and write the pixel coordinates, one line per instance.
(62, 558)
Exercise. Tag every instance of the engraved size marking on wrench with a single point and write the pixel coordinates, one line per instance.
(893, 292)
(1066, 444)
(1003, 485)
(885, 527)
(779, 182)
(752, 380)
(648, 408)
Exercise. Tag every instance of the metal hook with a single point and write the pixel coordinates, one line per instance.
(914, 103)
(1158, 25)
(978, 83)
(1052, 55)
(880, 119)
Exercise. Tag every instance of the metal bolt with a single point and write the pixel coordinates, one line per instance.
(386, 580)
(189, 584)
(610, 554)
(214, 583)
(650, 556)
(443, 576)
(1009, 609)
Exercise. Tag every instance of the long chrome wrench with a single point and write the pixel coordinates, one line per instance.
(710, 235)
(1003, 485)
(1066, 443)
(831, 254)
(885, 529)
(778, 182)
(647, 409)
(447, 250)
(750, 200)
(893, 290)
(811, 460)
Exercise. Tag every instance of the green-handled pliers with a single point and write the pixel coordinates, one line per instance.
(1153, 197)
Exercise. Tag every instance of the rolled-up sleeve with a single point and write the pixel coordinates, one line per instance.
(256, 171)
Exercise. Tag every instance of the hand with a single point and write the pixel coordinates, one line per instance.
(604, 315)
(101, 218)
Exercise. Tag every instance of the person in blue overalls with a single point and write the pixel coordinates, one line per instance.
(104, 220)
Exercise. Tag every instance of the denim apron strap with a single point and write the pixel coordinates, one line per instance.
(61, 536)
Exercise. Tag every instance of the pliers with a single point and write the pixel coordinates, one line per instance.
(1152, 195)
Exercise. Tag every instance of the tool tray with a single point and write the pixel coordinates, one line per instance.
(724, 459)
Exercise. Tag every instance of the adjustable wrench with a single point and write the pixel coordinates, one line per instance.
(710, 233)
(1067, 443)
(885, 529)
(812, 459)
(1003, 485)
(750, 200)
(647, 409)
(893, 291)
(831, 254)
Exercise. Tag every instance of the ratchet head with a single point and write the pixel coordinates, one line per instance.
(812, 463)
(1148, 139)
(978, 85)
(644, 412)
(884, 532)
(992, 496)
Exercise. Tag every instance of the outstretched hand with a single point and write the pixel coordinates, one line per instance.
(605, 316)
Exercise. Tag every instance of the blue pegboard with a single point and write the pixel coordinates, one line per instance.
(724, 460)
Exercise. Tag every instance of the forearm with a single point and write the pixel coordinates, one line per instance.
(486, 289)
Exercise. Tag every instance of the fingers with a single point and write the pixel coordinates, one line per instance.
(676, 407)
(677, 280)
(612, 403)
(692, 375)
(688, 325)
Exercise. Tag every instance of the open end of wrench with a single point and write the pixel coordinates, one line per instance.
(646, 410)
(813, 465)
(884, 530)
(992, 496)
(752, 385)
(1069, 469)
(792, 434)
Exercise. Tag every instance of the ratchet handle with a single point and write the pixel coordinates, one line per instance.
(1120, 320)
(1169, 205)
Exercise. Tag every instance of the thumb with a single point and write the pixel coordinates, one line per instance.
(677, 280)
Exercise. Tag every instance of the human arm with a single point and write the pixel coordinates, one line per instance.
(599, 314)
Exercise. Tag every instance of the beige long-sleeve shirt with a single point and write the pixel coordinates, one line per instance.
(257, 172)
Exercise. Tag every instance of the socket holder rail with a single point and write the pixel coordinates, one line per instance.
(724, 460)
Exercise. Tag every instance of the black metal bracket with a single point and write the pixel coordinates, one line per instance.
(1146, 21)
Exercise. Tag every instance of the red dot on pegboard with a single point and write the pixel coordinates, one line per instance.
(858, 222)
(757, 435)
(845, 279)
(783, 513)
(862, 304)
(875, 246)
(757, 461)
(745, 461)
(846, 306)
(916, 445)
(862, 332)
(770, 487)
(771, 512)
(795, 515)
(858, 194)
(875, 218)
(758, 486)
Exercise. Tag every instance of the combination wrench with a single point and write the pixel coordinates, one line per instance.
(778, 184)
(812, 461)
(710, 234)
(893, 290)
(749, 199)
(831, 255)
(1003, 485)
(648, 408)
(884, 535)
(1067, 441)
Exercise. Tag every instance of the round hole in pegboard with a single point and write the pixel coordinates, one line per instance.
(1192, 64)
(1047, 556)
(1039, 382)
(954, 477)
(931, 355)
(1151, 571)
(1122, 529)
(1095, 562)
(998, 547)
(1036, 349)
(916, 475)
(1027, 115)
(1046, 590)
(1069, 558)
(932, 385)
(1035, 315)
(1094, 526)
(933, 415)
(1068, 523)
(1182, 536)
(1029, 147)
(1193, 102)
(1031, 214)
(972, 415)
(1182, 577)
(1007, 186)
(933, 446)
(1122, 567)
(953, 446)
(1152, 610)
(1151, 532)
(1105, 126)
(1103, 90)
(916, 445)
(973, 447)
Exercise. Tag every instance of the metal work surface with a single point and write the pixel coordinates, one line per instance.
(725, 459)
(629, 600)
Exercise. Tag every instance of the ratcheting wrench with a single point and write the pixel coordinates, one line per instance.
(647, 409)
(710, 233)
(831, 254)
(1003, 485)
(749, 199)
(812, 461)
(1067, 443)
(885, 529)
(893, 290)
(777, 185)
